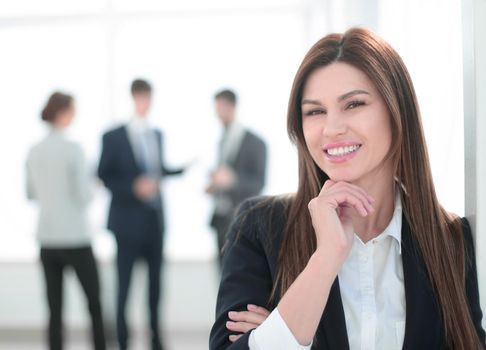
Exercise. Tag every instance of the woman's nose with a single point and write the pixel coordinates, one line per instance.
(334, 125)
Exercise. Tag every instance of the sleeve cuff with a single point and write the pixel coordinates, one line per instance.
(274, 334)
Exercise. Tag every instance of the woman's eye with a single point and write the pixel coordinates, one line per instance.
(315, 112)
(354, 104)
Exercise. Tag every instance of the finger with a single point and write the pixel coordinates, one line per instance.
(354, 200)
(242, 327)
(247, 316)
(258, 309)
(234, 337)
(342, 194)
(346, 197)
(361, 190)
(328, 184)
(344, 210)
(355, 191)
(364, 197)
(368, 197)
(345, 184)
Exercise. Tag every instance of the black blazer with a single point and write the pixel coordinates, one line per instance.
(249, 271)
(249, 166)
(118, 169)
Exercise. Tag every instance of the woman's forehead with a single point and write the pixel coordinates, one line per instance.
(335, 81)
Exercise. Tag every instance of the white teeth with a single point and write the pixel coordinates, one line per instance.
(340, 151)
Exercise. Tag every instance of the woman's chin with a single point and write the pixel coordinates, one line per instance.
(341, 176)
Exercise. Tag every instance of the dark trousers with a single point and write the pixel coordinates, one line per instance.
(54, 260)
(146, 244)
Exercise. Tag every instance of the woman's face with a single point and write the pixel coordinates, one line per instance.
(66, 116)
(346, 123)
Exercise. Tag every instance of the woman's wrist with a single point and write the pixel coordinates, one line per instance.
(330, 261)
(325, 264)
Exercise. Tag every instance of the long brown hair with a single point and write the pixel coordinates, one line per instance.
(438, 234)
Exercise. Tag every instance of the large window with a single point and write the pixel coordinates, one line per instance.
(189, 49)
(187, 52)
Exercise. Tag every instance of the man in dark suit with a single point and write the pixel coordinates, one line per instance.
(131, 167)
(240, 173)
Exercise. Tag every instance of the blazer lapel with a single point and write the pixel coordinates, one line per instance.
(333, 324)
(423, 325)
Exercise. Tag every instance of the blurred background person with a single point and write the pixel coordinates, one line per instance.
(131, 167)
(58, 179)
(240, 172)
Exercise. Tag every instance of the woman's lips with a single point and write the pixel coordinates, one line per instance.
(341, 152)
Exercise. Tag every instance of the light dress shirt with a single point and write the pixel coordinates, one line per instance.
(231, 142)
(373, 295)
(229, 147)
(143, 140)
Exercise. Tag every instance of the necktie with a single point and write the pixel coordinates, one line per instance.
(146, 152)
(223, 145)
(148, 161)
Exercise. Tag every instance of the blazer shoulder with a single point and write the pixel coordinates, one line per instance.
(252, 137)
(34, 149)
(260, 218)
(115, 132)
(466, 228)
(468, 241)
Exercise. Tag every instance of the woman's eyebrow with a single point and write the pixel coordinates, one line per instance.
(311, 102)
(340, 98)
(352, 93)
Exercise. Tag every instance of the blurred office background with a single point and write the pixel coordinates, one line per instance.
(188, 49)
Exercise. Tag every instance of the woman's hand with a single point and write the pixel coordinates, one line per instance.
(331, 216)
(245, 321)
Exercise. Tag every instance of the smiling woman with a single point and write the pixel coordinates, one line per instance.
(363, 255)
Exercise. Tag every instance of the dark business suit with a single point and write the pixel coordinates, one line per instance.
(249, 166)
(249, 271)
(138, 225)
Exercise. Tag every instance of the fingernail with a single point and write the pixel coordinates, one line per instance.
(251, 307)
(231, 314)
(229, 324)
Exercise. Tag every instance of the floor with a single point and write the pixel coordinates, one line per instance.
(176, 341)
(187, 310)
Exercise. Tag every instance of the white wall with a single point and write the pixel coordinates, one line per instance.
(189, 49)
(474, 24)
(188, 52)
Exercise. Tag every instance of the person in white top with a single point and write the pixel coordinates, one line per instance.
(362, 256)
(59, 180)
